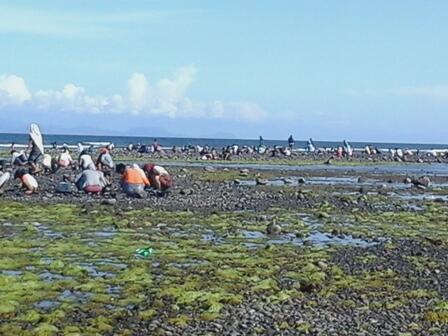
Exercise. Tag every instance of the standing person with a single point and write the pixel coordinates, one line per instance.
(28, 181)
(133, 180)
(158, 177)
(260, 141)
(36, 148)
(91, 181)
(291, 142)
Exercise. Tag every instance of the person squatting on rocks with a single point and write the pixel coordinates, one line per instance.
(18, 158)
(65, 159)
(91, 181)
(4, 179)
(28, 181)
(105, 161)
(85, 161)
(158, 177)
(133, 180)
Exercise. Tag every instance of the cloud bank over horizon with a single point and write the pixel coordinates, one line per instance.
(167, 98)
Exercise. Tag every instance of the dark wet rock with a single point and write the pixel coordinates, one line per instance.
(109, 201)
(236, 181)
(186, 191)
(273, 228)
(210, 169)
(301, 180)
(423, 181)
(260, 181)
(363, 190)
(361, 180)
(322, 265)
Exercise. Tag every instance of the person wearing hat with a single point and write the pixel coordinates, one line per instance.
(105, 161)
(158, 176)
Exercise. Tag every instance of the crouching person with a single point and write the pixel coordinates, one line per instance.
(4, 179)
(28, 181)
(133, 180)
(91, 181)
(158, 177)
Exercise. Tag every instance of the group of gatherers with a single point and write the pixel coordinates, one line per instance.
(93, 177)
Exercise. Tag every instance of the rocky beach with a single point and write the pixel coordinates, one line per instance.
(350, 248)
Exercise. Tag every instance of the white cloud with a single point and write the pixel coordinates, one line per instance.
(167, 97)
(430, 92)
(13, 90)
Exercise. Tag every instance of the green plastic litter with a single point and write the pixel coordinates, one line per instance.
(144, 251)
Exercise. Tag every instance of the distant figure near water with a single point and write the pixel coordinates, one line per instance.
(291, 142)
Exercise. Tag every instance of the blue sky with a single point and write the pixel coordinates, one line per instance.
(363, 70)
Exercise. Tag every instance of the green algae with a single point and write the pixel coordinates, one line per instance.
(188, 275)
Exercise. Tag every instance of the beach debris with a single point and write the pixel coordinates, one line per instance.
(144, 251)
(64, 188)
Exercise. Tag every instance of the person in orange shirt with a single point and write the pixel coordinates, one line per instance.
(133, 180)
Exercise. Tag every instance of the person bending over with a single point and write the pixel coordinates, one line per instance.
(64, 158)
(29, 183)
(105, 161)
(18, 158)
(85, 161)
(91, 181)
(133, 180)
(158, 177)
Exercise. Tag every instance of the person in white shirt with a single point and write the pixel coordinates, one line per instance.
(86, 162)
(65, 159)
(29, 183)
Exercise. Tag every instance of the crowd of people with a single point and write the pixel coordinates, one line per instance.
(94, 175)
